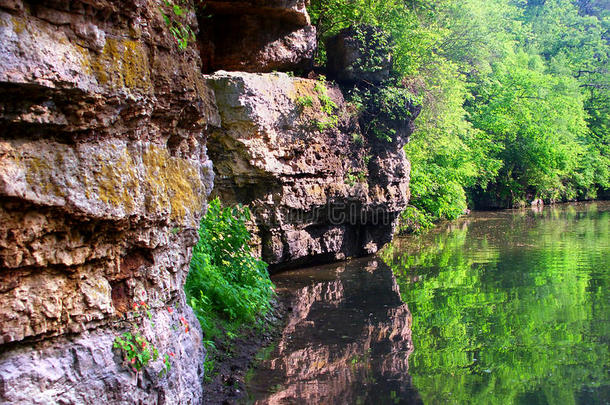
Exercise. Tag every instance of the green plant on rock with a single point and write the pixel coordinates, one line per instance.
(387, 110)
(351, 178)
(137, 351)
(330, 122)
(176, 10)
(327, 105)
(305, 101)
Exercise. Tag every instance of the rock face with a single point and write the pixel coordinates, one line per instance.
(103, 179)
(292, 150)
(359, 54)
(256, 35)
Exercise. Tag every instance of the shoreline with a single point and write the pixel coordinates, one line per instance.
(236, 357)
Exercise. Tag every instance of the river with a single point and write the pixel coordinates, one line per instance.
(504, 307)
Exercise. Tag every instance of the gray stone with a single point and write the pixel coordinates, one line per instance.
(317, 195)
(103, 180)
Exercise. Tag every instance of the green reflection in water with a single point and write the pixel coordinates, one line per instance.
(510, 307)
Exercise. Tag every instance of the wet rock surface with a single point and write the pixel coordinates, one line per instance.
(103, 179)
(347, 339)
(319, 190)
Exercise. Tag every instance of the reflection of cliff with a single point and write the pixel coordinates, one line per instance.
(348, 339)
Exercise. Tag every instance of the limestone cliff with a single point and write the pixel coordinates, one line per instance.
(292, 150)
(103, 179)
(104, 176)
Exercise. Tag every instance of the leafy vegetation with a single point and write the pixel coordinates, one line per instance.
(383, 109)
(227, 286)
(136, 350)
(173, 12)
(515, 95)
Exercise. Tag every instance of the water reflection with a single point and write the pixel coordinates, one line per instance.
(347, 340)
(510, 307)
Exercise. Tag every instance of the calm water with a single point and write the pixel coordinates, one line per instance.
(509, 307)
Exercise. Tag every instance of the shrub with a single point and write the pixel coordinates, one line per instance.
(227, 286)
(384, 111)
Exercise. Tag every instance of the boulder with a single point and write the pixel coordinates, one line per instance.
(256, 36)
(359, 54)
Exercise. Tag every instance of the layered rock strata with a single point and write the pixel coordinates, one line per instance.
(292, 150)
(256, 35)
(103, 180)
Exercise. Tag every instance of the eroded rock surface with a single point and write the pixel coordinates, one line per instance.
(318, 189)
(103, 179)
(256, 35)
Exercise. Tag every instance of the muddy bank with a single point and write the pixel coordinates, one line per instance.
(226, 384)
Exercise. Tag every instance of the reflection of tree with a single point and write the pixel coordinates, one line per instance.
(512, 308)
(347, 341)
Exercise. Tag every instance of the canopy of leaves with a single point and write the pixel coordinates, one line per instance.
(516, 95)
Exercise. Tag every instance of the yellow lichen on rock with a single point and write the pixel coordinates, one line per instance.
(117, 181)
(123, 63)
(18, 25)
(175, 182)
(39, 174)
(127, 180)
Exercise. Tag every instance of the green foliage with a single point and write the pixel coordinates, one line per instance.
(226, 278)
(351, 178)
(328, 106)
(322, 125)
(172, 13)
(413, 220)
(515, 95)
(137, 351)
(375, 46)
(538, 119)
(383, 110)
(305, 101)
(227, 286)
